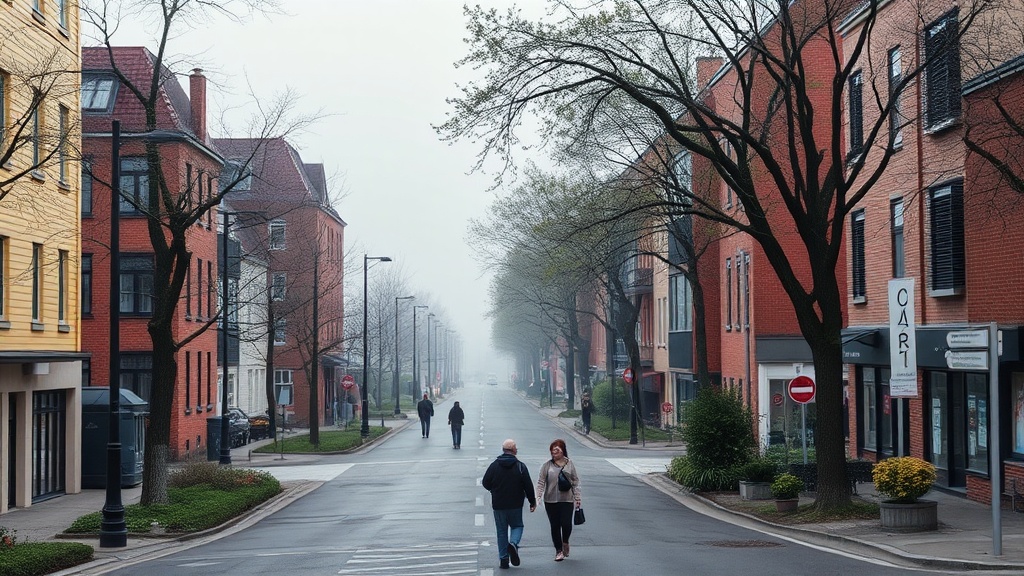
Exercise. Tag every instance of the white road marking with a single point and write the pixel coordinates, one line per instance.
(640, 466)
(478, 520)
(321, 472)
(198, 564)
(479, 500)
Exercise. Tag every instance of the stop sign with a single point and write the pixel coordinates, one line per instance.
(348, 381)
(801, 389)
(627, 375)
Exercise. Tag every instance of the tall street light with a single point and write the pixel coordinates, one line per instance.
(364, 431)
(415, 360)
(430, 372)
(398, 362)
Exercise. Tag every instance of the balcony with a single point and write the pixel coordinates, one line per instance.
(639, 281)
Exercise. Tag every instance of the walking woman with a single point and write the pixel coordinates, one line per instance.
(456, 418)
(560, 498)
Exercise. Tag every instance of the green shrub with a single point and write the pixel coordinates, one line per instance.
(718, 430)
(602, 398)
(786, 486)
(758, 470)
(37, 558)
(684, 471)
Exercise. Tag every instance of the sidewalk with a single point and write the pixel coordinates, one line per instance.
(963, 541)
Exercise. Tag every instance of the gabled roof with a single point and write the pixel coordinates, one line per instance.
(137, 64)
(279, 175)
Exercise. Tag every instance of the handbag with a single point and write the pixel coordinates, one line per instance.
(578, 517)
(563, 481)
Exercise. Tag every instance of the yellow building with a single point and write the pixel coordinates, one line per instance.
(40, 245)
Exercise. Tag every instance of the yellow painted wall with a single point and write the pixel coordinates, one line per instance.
(37, 53)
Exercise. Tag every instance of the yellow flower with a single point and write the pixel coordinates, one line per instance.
(903, 479)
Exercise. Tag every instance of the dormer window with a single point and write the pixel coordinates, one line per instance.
(98, 92)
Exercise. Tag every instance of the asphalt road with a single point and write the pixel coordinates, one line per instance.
(414, 506)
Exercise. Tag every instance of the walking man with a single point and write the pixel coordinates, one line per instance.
(508, 481)
(586, 409)
(456, 418)
(425, 409)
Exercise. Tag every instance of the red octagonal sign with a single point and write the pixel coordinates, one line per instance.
(348, 381)
(801, 389)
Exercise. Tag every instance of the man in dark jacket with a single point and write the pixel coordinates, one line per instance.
(509, 483)
(456, 418)
(425, 409)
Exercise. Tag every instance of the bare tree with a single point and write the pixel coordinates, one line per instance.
(774, 116)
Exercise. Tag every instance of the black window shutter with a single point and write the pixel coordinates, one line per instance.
(943, 72)
(948, 261)
(856, 114)
(857, 252)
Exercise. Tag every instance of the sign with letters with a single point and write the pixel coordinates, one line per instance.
(902, 340)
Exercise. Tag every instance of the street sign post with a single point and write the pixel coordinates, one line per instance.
(348, 381)
(801, 390)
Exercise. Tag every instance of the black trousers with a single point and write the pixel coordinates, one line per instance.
(425, 426)
(560, 519)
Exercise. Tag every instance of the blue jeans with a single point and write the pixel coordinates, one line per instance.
(457, 435)
(503, 521)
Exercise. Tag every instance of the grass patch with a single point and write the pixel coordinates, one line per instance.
(37, 558)
(202, 496)
(603, 426)
(859, 509)
(330, 441)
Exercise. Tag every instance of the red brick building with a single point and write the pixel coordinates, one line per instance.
(190, 164)
(939, 217)
(287, 211)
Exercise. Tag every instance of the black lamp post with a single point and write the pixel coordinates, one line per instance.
(430, 372)
(415, 359)
(398, 409)
(364, 431)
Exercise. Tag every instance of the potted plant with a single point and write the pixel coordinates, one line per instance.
(756, 479)
(903, 480)
(786, 490)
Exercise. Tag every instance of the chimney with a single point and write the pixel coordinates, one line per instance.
(197, 96)
(707, 66)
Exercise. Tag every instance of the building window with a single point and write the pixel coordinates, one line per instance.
(209, 379)
(746, 291)
(62, 286)
(136, 284)
(199, 289)
(739, 290)
(137, 373)
(98, 92)
(895, 77)
(856, 96)
(86, 189)
(942, 72)
(3, 276)
(281, 378)
(277, 240)
(188, 382)
(728, 294)
(898, 260)
(947, 238)
(977, 422)
(86, 372)
(134, 186)
(37, 282)
(279, 331)
(209, 288)
(1017, 399)
(36, 126)
(277, 292)
(857, 267)
(86, 283)
(3, 105)
(199, 382)
(680, 307)
(62, 13)
(62, 145)
(869, 410)
(188, 295)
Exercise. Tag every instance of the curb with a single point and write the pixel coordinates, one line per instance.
(803, 536)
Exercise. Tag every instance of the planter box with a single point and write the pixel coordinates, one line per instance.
(918, 516)
(755, 490)
(787, 505)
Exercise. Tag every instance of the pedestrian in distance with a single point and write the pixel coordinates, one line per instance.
(586, 409)
(425, 409)
(508, 481)
(560, 499)
(456, 418)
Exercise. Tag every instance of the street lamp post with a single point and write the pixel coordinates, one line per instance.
(415, 359)
(430, 372)
(398, 362)
(364, 431)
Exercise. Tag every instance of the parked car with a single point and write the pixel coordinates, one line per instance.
(492, 379)
(238, 427)
(259, 426)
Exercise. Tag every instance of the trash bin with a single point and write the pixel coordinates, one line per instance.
(213, 424)
(96, 435)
